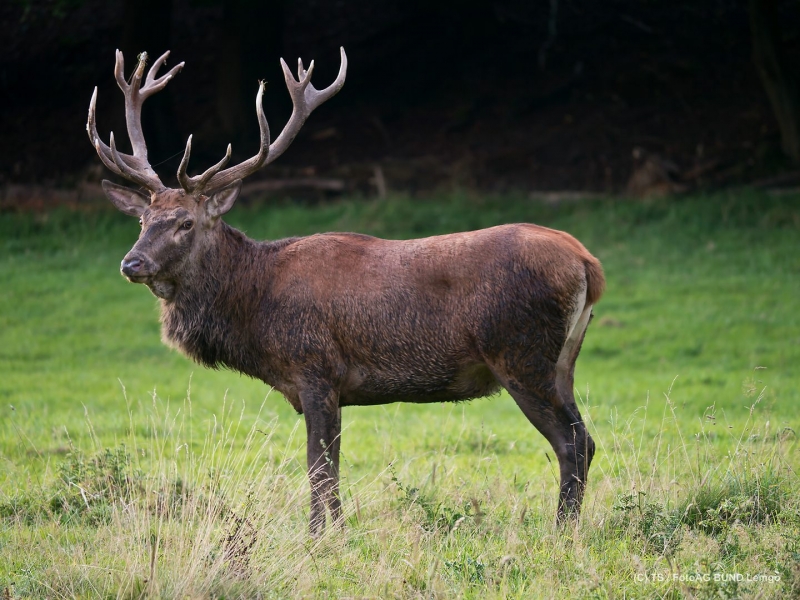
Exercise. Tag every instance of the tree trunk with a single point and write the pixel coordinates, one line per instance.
(776, 74)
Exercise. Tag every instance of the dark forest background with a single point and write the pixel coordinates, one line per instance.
(640, 96)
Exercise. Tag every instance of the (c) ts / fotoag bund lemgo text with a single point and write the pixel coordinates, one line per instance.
(707, 577)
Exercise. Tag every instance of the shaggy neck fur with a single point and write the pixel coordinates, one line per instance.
(216, 304)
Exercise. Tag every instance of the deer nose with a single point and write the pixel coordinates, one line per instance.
(131, 266)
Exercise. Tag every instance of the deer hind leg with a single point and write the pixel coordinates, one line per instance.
(544, 392)
(583, 448)
(323, 428)
(563, 427)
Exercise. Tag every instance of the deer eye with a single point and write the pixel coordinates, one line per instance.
(187, 225)
(140, 221)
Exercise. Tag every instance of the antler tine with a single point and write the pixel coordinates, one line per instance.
(151, 74)
(153, 84)
(183, 179)
(302, 74)
(134, 167)
(206, 177)
(198, 182)
(126, 171)
(305, 98)
(119, 70)
(138, 73)
(103, 151)
(251, 165)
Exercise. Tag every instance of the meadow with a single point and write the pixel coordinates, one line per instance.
(126, 471)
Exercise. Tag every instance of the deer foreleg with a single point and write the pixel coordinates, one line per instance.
(323, 428)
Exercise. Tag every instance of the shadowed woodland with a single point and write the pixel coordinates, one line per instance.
(493, 95)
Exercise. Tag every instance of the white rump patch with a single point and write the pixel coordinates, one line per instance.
(580, 302)
(577, 325)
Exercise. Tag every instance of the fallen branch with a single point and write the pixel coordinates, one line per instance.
(791, 179)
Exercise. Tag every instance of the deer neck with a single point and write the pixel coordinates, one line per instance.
(207, 318)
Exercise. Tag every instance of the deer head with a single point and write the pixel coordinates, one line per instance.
(179, 223)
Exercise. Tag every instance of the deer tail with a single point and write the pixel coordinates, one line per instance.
(595, 280)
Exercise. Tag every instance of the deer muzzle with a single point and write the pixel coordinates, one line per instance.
(136, 268)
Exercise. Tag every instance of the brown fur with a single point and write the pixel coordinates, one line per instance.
(343, 319)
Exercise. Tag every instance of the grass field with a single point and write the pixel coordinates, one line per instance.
(126, 471)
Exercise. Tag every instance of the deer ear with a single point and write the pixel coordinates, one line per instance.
(131, 202)
(221, 201)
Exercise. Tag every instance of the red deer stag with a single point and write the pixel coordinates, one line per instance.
(343, 319)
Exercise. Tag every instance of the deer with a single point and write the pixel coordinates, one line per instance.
(336, 320)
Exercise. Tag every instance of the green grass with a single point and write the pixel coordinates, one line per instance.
(128, 471)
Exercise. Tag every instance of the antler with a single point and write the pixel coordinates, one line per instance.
(305, 98)
(198, 183)
(133, 167)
